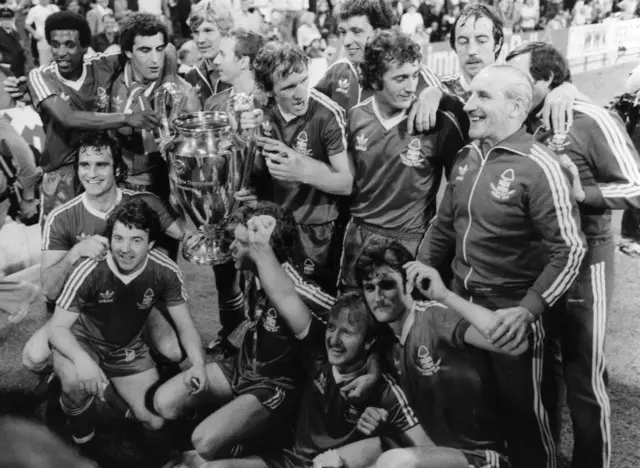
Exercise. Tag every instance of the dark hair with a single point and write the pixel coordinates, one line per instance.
(141, 24)
(102, 140)
(285, 232)
(380, 13)
(386, 48)
(248, 43)
(475, 12)
(67, 20)
(276, 61)
(384, 254)
(354, 303)
(134, 213)
(545, 62)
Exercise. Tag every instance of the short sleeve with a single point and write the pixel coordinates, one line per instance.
(401, 417)
(55, 233)
(41, 86)
(174, 291)
(165, 212)
(334, 133)
(77, 290)
(314, 353)
(447, 324)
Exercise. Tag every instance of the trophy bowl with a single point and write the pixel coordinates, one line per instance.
(205, 173)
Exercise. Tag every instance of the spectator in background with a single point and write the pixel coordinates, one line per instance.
(529, 16)
(109, 36)
(411, 21)
(188, 57)
(12, 56)
(249, 17)
(34, 24)
(94, 16)
(307, 31)
(326, 20)
(74, 7)
(179, 11)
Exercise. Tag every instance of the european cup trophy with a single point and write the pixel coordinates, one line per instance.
(206, 169)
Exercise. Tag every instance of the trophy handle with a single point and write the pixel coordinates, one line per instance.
(172, 91)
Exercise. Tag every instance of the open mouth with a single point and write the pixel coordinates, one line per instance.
(64, 63)
(476, 119)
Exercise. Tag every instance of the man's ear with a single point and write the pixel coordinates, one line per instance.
(245, 62)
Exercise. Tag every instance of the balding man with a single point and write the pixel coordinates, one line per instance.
(511, 217)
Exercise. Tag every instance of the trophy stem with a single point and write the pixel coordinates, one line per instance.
(209, 245)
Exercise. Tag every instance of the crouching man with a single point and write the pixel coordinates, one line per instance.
(96, 329)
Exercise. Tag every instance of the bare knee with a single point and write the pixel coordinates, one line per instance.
(207, 442)
(398, 458)
(166, 404)
(150, 421)
(169, 348)
(36, 355)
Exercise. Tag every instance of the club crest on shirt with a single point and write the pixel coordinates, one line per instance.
(413, 157)
(425, 364)
(351, 414)
(309, 267)
(270, 321)
(558, 142)
(129, 355)
(302, 144)
(503, 191)
(462, 170)
(361, 143)
(64, 96)
(105, 297)
(321, 383)
(267, 128)
(117, 102)
(147, 300)
(343, 86)
(102, 102)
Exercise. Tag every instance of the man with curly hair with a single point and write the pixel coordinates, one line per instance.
(303, 141)
(76, 230)
(396, 174)
(96, 330)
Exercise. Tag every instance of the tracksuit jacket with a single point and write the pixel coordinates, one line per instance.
(513, 220)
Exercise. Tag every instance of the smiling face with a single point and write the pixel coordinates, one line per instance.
(399, 85)
(345, 339)
(475, 45)
(292, 93)
(67, 52)
(386, 295)
(488, 107)
(147, 57)
(129, 247)
(95, 170)
(228, 63)
(207, 37)
(355, 32)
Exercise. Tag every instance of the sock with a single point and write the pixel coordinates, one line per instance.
(80, 419)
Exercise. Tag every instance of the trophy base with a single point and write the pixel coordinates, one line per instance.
(209, 245)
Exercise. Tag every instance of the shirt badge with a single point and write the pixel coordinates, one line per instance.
(425, 365)
(413, 157)
(103, 99)
(302, 144)
(503, 190)
(309, 267)
(105, 297)
(147, 299)
(361, 143)
(462, 170)
(270, 321)
(343, 86)
(267, 129)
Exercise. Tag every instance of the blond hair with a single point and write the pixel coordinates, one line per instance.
(219, 12)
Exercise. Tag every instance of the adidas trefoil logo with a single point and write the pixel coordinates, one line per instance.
(106, 297)
(361, 143)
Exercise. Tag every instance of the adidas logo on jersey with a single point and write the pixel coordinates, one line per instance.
(462, 170)
(105, 297)
(425, 364)
(321, 383)
(267, 129)
(343, 86)
(361, 143)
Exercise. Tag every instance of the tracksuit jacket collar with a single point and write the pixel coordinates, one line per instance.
(518, 142)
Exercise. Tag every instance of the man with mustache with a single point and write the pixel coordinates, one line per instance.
(396, 174)
(509, 213)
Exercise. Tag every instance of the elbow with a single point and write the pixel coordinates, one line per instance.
(347, 187)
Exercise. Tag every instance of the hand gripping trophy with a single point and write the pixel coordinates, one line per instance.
(209, 159)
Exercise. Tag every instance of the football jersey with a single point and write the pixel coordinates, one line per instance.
(326, 420)
(320, 133)
(270, 349)
(457, 85)
(397, 174)
(76, 220)
(451, 387)
(341, 83)
(206, 82)
(114, 306)
(88, 93)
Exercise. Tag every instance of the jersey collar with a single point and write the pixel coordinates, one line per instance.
(126, 279)
(77, 84)
(287, 117)
(408, 325)
(387, 123)
(342, 378)
(97, 213)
